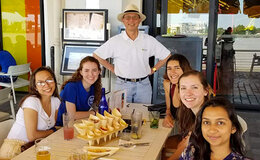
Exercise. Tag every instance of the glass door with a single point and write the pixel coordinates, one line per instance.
(237, 54)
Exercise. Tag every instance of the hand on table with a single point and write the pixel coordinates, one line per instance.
(168, 122)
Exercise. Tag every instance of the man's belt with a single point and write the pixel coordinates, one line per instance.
(133, 80)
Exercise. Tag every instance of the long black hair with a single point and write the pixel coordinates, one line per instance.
(32, 85)
(202, 147)
(183, 62)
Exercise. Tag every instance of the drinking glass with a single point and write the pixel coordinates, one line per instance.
(79, 154)
(68, 129)
(154, 117)
(42, 149)
(125, 135)
(136, 125)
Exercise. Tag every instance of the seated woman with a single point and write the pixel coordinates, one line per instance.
(6, 60)
(82, 91)
(217, 133)
(176, 65)
(37, 114)
(194, 90)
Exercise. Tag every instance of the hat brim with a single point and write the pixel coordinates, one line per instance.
(121, 15)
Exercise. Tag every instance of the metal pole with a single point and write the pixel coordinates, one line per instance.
(164, 12)
(1, 33)
(212, 32)
(42, 32)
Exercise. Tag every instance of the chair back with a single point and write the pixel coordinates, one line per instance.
(242, 123)
(19, 69)
(5, 128)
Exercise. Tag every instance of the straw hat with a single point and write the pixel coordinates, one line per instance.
(131, 8)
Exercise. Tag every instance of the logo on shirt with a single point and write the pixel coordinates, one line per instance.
(90, 100)
(144, 50)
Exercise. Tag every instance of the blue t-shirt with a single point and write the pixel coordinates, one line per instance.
(74, 92)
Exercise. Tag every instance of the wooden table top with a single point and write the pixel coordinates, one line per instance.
(61, 149)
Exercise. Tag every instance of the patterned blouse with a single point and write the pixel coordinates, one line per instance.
(188, 154)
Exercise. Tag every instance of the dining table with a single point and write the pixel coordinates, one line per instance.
(62, 149)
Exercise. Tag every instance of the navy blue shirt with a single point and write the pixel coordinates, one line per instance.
(74, 92)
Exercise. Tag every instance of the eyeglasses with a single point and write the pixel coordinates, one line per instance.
(131, 17)
(43, 83)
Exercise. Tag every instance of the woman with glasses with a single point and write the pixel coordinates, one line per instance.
(82, 92)
(37, 114)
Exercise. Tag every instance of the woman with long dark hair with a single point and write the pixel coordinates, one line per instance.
(194, 90)
(217, 133)
(176, 65)
(37, 114)
(82, 91)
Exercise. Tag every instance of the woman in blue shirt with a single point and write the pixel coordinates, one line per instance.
(82, 91)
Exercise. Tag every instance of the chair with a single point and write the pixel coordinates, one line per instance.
(5, 128)
(17, 70)
(255, 62)
(5, 96)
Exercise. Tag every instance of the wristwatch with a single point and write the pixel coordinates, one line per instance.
(154, 69)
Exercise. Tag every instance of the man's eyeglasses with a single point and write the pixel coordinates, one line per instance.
(131, 17)
(43, 83)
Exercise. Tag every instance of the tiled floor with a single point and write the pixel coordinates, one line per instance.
(252, 136)
(244, 90)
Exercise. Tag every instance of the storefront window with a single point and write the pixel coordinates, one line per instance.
(239, 37)
(237, 47)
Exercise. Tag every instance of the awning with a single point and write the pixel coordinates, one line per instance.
(229, 6)
(188, 6)
(252, 8)
(202, 6)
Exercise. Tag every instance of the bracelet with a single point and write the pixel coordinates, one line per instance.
(53, 129)
(154, 69)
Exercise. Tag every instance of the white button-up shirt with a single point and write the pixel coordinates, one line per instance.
(131, 57)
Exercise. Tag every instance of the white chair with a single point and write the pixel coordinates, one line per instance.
(5, 128)
(242, 123)
(17, 70)
(5, 96)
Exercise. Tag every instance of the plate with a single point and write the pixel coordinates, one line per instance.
(99, 151)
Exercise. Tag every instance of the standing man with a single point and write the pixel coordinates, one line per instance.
(131, 51)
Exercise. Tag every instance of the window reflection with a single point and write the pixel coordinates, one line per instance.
(190, 17)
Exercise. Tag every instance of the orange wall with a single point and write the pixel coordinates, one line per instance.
(21, 30)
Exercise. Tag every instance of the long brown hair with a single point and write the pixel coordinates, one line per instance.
(78, 77)
(185, 115)
(203, 150)
(183, 62)
(32, 85)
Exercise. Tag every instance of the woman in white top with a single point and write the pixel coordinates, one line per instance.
(37, 114)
